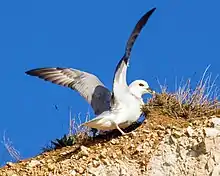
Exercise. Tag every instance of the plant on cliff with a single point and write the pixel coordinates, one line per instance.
(187, 102)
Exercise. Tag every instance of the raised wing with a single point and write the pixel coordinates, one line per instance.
(120, 84)
(88, 85)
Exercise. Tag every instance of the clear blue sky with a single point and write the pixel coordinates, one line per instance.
(180, 39)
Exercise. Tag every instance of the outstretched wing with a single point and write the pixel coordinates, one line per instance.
(120, 85)
(88, 85)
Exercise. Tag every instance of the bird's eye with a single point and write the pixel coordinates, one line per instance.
(141, 84)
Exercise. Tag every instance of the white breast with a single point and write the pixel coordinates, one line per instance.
(130, 114)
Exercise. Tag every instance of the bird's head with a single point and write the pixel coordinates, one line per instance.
(140, 87)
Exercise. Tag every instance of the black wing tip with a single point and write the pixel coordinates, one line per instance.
(148, 14)
(36, 71)
(31, 72)
(151, 11)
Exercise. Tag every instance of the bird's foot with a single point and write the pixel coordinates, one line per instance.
(119, 129)
(131, 133)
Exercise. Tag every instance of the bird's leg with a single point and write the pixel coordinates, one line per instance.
(119, 129)
(94, 131)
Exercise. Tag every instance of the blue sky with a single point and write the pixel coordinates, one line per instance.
(180, 40)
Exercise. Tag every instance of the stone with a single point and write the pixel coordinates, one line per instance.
(84, 151)
(211, 132)
(216, 170)
(216, 121)
(10, 173)
(34, 163)
(189, 131)
(73, 172)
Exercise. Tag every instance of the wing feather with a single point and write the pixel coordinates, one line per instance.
(120, 84)
(88, 85)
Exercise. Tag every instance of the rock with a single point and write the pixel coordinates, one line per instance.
(139, 148)
(105, 161)
(81, 170)
(34, 163)
(146, 131)
(10, 173)
(168, 131)
(51, 166)
(160, 127)
(216, 122)
(10, 164)
(189, 131)
(211, 132)
(114, 141)
(216, 170)
(84, 151)
(103, 154)
(73, 172)
(95, 163)
(177, 134)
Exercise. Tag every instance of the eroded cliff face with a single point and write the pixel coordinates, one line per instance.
(160, 146)
(192, 151)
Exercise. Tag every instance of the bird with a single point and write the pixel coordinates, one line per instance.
(114, 110)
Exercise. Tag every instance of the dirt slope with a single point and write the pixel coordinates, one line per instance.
(160, 146)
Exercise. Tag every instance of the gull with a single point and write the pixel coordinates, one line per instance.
(114, 110)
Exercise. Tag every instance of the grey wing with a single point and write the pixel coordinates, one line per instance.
(120, 84)
(88, 85)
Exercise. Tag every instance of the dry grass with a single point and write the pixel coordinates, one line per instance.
(77, 134)
(187, 102)
(10, 148)
(75, 128)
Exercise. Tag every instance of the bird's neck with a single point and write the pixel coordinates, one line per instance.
(136, 93)
(139, 97)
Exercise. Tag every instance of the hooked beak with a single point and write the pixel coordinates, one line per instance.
(149, 90)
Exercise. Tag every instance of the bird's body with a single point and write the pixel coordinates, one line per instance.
(122, 115)
(115, 110)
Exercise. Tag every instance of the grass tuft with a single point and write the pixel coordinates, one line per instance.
(77, 134)
(15, 154)
(187, 102)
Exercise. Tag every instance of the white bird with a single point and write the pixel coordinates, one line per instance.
(114, 110)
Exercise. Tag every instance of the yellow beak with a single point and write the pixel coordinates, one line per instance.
(150, 90)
